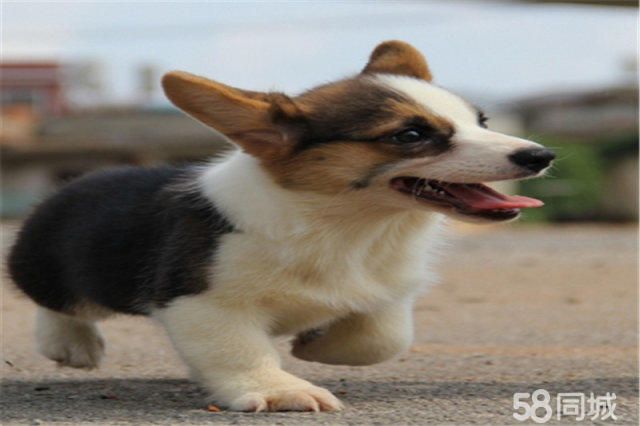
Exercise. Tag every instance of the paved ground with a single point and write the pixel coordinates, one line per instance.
(519, 308)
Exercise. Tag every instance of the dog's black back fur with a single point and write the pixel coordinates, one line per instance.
(128, 239)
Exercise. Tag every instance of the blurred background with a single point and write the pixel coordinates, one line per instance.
(80, 82)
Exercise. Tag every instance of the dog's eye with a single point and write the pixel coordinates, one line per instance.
(409, 136)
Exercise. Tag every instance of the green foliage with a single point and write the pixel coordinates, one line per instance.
(573, 188)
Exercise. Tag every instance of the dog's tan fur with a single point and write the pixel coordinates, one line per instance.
(326, 169)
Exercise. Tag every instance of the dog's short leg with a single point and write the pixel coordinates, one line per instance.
(360, 338)
(232, 354)
(68, 340)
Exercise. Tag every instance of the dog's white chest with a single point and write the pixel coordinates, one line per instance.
(305, 282)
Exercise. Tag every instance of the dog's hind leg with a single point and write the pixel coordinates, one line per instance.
(69, 340)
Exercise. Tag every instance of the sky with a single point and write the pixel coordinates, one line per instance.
(490, 50)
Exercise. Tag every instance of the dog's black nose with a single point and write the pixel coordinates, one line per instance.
(533, 159)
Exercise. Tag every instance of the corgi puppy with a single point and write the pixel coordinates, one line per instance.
(320, 225)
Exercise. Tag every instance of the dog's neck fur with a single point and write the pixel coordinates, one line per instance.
(324, 243)
(239, 186)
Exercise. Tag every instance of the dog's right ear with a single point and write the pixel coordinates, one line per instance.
(264, 125)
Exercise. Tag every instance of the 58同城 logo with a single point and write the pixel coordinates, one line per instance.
(538, 407)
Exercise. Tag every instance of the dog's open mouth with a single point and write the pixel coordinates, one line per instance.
(473, 199)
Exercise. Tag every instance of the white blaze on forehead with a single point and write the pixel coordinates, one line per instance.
(435, 99)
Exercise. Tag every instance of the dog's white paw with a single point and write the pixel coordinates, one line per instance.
(68, 341)
(312, 398)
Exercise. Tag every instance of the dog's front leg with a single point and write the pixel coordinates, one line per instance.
(231, 353)
(360, 338)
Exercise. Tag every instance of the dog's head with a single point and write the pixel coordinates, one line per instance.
(388, 136)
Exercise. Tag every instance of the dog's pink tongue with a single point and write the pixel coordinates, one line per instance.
(482, 197)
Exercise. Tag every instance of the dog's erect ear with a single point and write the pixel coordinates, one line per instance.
(265, 125)
(398, 57)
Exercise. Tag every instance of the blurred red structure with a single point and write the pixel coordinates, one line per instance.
(35, 87)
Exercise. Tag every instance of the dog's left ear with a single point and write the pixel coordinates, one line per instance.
(265, 125)
(398, 57)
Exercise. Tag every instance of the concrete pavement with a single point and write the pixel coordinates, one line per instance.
(519, 308)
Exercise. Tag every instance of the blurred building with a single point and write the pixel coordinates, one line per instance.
(50, 135)
(586, 114)
(595, 134)
(47, 140)
(35, 87)
(27, 91)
